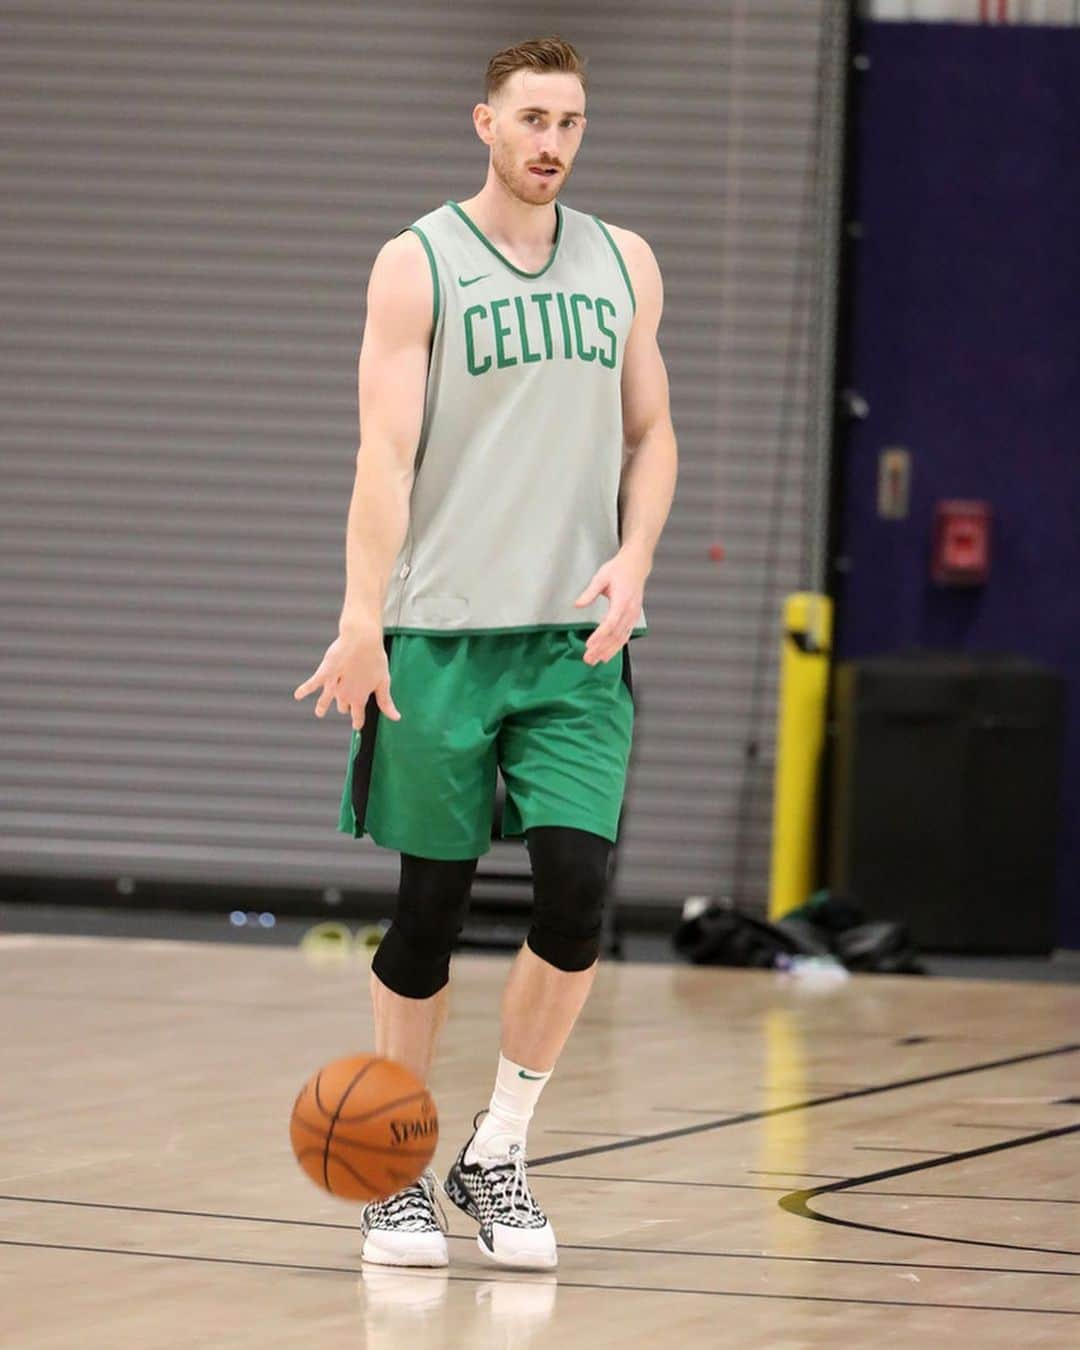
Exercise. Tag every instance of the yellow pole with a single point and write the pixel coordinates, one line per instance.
(800, 739)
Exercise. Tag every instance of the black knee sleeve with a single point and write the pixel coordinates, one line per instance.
(570, 873)
(413, 959)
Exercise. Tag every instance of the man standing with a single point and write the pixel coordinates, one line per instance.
(516, 468)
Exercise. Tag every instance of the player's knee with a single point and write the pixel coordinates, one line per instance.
(413, 959)
(570, 873)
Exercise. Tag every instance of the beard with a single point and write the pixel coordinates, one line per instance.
(520, 183)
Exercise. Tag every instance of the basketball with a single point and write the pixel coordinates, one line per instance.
(364, 1127)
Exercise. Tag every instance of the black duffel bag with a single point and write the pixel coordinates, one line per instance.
(721, 935)
(827, 925)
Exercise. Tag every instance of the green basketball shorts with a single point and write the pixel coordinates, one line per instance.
(525, 704)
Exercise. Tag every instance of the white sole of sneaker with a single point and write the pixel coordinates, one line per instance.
(427, 1255)
(518, 1258)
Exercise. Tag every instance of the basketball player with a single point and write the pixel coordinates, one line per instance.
(516, 467)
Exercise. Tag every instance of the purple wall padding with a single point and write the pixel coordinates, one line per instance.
(965, 342)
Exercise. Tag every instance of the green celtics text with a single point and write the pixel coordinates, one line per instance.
(546, 326)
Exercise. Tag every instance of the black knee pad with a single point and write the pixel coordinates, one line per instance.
(570, 875)
(413, 959)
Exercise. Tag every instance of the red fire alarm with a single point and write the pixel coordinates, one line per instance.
(961, 543)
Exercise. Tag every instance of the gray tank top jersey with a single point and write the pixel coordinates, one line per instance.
(515, 499)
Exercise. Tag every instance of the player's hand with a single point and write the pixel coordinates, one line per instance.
(622, 580)
(354, 668)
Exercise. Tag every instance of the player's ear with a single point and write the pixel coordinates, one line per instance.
(483, 120)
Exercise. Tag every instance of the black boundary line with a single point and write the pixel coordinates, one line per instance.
(897, 1148)
(776, 1172)
(746, 1116)
(691, 1110)
(987, 1125)
(747, 1186)
(576, 1246)
(654, 1181)
(823, 1086)
(597, 1134)
(562, 1284)
(798, 1202)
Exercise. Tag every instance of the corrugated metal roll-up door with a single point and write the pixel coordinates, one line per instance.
(193, 194)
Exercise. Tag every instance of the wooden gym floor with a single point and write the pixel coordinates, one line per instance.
(728, 1159)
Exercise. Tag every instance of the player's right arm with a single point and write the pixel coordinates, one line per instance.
(392, 381)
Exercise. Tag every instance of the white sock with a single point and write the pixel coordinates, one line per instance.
(517, 1090)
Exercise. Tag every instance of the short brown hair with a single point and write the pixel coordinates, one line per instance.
(549, 55)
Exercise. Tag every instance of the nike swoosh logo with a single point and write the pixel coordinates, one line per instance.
(533, 1077)
(472, 280)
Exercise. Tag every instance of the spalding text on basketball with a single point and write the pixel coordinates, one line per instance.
(406, 1131)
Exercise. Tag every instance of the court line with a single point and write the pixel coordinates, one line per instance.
(574, 1246)
(745, 1116)
(597, 1134)
(797, 1202)
(652, 1181)
(692, 1110)
(986, 1125)
(823, 1085)
(774, 1172)
(896, 1148)
(562, 1284)
(744, 1186)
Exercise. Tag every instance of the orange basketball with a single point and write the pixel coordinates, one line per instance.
(364, 1127)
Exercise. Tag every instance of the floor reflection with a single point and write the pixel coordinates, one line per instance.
(406, 1307)
(411, 1307)
(514, 1311)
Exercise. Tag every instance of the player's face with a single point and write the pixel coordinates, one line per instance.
(536, 132)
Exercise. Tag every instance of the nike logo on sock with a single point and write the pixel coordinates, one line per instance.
(472, 280)
(532, 1077)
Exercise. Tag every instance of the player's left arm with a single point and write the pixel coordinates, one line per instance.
(650, 462)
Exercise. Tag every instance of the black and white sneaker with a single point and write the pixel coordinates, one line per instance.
(407, 1229)
(514, 1230)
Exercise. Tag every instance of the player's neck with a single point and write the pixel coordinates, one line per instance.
(512, 225)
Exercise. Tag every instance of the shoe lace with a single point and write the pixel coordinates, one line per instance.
(510, 1185)
(413, 1208)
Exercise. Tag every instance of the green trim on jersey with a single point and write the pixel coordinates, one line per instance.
(619, 258)
(529, 276)
(434, 272)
